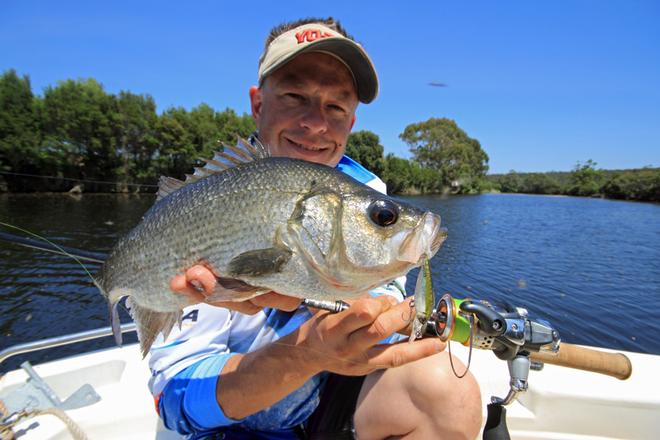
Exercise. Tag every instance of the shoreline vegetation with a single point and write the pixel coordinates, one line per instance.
(77, 138)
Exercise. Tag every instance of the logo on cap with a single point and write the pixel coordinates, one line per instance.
(310, 35)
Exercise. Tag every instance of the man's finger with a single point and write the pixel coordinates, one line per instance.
(362, 313)
(180, 285)
(401, 353)
(202, 278)
(390, 321)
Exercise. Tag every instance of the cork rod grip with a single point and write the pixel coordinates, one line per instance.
(573, 356)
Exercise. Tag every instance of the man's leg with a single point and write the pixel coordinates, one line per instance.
(421, 400)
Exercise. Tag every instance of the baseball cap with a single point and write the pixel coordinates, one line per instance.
(315, 37)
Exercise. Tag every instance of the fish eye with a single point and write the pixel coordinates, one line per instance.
(383, 213)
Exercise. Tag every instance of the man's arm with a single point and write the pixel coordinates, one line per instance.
(344, 343)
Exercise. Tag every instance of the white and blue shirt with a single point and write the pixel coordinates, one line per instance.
(185, 368)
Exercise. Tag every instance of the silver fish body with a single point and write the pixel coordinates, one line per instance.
(280, 224)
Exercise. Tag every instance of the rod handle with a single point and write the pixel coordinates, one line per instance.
(573, 356)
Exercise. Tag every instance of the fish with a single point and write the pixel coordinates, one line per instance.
(261, 224)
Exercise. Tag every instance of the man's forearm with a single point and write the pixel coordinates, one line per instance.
(254, 381)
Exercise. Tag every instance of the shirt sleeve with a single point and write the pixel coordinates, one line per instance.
(186, 371)
(185, 368)
(188, 404)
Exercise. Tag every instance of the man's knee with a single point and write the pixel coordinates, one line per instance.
(424, 399)
(452, 404)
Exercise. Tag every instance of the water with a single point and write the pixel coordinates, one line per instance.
(589, 266)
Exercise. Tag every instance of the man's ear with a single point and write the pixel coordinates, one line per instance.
(353, 120)
(255, 102)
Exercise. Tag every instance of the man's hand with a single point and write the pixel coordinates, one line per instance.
(199, 283)
(347, 342)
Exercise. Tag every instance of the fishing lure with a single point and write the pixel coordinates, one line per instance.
(422, 301)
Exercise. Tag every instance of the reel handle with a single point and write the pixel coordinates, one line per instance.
(573, 356)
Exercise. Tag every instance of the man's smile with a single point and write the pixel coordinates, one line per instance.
(305, 149)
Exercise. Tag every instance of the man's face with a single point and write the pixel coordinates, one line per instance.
(306, 109)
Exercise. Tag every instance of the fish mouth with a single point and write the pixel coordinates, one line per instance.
(424, 241)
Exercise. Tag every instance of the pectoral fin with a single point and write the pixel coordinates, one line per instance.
(231, 289)
(259, 262)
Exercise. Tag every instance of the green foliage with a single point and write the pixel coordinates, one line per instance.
(19, 126)
(79, 121)
(397, 174)
(78, 130)
(135, 134)
(641, 184)
(510, 183)
(365, 148)
(586, 180)
(539, 183)
(441, 145)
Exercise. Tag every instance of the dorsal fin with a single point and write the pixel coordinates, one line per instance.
(167, 185)
(230, 156)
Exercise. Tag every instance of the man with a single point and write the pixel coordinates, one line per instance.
(270, 368)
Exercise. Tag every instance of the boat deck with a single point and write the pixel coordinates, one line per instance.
(561, 403)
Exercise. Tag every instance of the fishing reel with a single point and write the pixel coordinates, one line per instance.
(507, 330)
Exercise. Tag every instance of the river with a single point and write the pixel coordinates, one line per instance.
(589, 266)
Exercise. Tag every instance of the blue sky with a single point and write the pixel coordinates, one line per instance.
(541, 85)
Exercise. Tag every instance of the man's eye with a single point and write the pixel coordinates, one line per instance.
(337, 108)
(294, 96)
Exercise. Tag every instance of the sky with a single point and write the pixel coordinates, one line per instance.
(541, 84)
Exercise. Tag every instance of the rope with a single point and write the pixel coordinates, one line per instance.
(7, 432)
(76, 431)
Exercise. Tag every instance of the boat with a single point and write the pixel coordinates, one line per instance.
(103, 395)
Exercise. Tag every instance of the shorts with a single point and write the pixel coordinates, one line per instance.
(333, 418)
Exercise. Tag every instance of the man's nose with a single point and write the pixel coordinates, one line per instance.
(314, 119)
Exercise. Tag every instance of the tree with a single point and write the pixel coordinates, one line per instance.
(136, 136)
(585, 179)
(231, 125)
(397, 174)
(539, 183)
(19, 126)
(365, 148)
(641, 184)
(176, 152)
(510, 182)
(440, 144)
(80, 126)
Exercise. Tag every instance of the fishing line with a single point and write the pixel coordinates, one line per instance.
(62, 251)
(451, 358)
(53, 244)
(79, 180)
